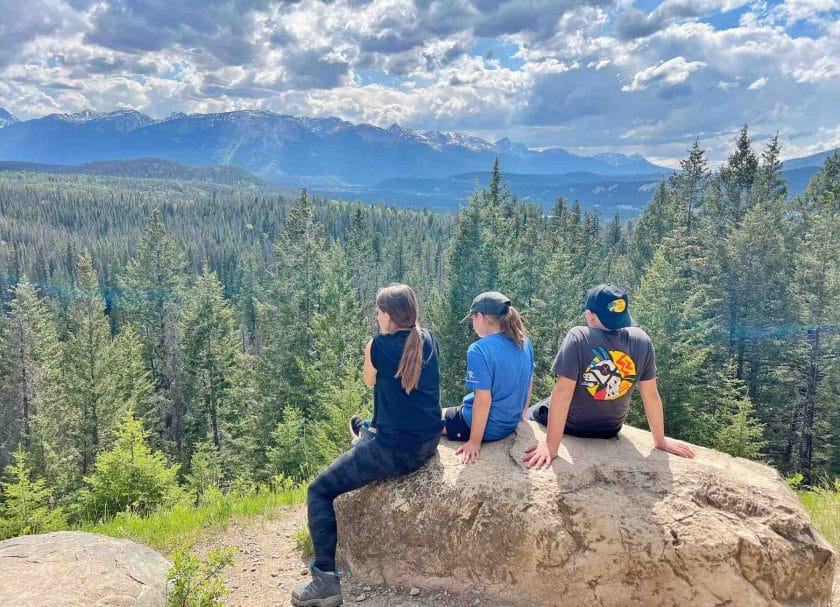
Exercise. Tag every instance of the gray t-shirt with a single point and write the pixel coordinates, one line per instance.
(606, 365)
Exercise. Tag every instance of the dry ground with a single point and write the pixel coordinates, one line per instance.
(268, 565)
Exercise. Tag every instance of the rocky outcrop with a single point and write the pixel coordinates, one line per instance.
(611, 523)
(74, 569)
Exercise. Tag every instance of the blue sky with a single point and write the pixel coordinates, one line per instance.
(644, 76)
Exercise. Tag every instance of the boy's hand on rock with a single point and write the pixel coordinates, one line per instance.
(468, 452)
(676, 447)
(538, 456)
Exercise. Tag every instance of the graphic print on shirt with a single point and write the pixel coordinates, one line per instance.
(610, 374)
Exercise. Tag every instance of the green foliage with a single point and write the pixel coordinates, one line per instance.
(349, 397)
(740, 434)
(26, 507)
(130, 476)
(236, 317)
(823, 504)
(293, 453)
(182, 525)
(196, 583)
(205, 472)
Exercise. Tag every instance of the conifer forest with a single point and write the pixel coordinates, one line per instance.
(163, 338)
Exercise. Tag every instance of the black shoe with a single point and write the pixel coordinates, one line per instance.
(323, 590)
(356, 424)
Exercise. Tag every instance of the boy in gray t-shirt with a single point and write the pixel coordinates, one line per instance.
(597, 368)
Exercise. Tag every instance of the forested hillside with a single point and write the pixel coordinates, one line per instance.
(168, 335)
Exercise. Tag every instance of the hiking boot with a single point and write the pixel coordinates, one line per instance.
(323, 590)
(356, 425)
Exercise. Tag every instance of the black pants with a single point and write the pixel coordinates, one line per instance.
(368, 461)
(539, 414)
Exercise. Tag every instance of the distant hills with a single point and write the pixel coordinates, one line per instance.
(332, 157)
(145, 168)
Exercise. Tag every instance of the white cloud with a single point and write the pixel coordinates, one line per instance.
(673, 71)
(801, 10)
(824, 69)
(758, 84)
(386, 61)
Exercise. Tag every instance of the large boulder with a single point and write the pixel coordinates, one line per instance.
(611, 523)
(75, 569)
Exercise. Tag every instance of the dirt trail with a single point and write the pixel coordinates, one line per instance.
(268, 565)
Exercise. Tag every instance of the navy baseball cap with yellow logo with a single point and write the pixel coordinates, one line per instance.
(609, 303)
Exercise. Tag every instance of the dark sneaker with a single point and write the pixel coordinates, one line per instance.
(323, 590)
(356, 424)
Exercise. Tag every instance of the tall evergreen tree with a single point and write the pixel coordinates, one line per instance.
(287, 316)
(209, 355)
(689, 184)
(30, 373)
(738, 175)
(816, 294)
(88, 382)
(149, 300)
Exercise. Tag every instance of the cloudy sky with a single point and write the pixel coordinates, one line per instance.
(590, 76)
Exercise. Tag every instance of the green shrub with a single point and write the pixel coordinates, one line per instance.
(129, 477)
(196, 583)
(26, 508)
(205, 472)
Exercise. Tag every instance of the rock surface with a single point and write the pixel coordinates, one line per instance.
(75, 569)
(612, 523)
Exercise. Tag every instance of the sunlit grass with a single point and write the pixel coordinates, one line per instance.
(184, 524)
(824, 507)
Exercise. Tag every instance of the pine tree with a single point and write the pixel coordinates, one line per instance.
(740, 434)
(205, 471)
(209, 351)
(294, 453)
(672, 306)
(149, 301)
(130, 476)
(738, 175)
(769, 183)
(286, 317)
(362, 261)
(689, 184)
(27, 506)
(31, 371)
(815, 289)
(88, 382)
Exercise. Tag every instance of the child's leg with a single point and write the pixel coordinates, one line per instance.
(539, 412)
(367, 462)
(454, 425)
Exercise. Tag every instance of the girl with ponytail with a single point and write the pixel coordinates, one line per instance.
(401, 365)
(500, 369)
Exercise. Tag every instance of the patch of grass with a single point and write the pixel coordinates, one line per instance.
(824, 507)
(180, 527)
(303, 542)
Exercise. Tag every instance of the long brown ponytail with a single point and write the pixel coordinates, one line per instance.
(512, 325)
(400, 303)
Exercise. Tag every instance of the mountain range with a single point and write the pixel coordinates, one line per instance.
(334, 157)
(287, 149)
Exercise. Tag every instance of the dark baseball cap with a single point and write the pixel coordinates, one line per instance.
(610, 304)
(489, 302)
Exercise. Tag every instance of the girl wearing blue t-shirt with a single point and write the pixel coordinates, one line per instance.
(500, 369)
(401, 364)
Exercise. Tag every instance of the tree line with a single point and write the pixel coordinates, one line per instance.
(211, 334)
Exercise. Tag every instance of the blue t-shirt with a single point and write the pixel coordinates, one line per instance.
(497, 364)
